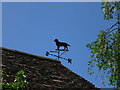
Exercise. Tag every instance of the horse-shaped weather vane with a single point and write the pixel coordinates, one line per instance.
(59, 51)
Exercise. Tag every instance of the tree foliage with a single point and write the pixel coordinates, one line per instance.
(106, 48)
(111, 9)
(19, 82)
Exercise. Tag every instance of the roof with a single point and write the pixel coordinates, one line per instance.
(42, 72)
(31, 55)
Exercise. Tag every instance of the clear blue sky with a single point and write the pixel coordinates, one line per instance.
(32, 28)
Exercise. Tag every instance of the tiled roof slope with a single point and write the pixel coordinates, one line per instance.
(42, 73)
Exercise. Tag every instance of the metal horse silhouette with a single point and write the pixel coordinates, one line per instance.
(59, 51)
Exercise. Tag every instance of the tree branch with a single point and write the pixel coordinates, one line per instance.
(111, 26)
(112, 30)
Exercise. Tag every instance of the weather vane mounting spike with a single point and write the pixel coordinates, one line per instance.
(59, 51)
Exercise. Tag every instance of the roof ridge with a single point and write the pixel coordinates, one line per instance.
(21, 52)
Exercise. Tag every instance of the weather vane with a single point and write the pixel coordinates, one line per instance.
(59, 51)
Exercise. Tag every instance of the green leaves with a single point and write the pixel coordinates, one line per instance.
(105, 51)
(106, 48)
(111, 9)
(19, 83)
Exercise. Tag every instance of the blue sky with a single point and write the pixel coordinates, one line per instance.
(0, 24)
(51, 0)
(32, 28)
